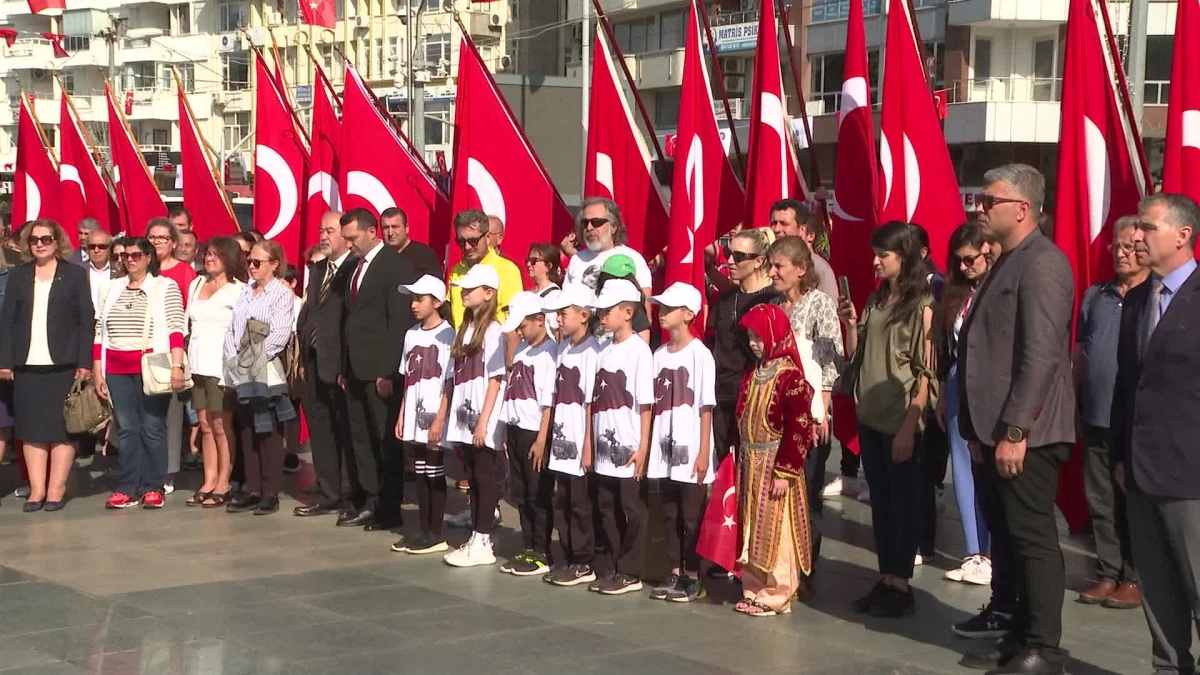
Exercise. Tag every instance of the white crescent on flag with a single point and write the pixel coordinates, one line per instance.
(1191, 129)
(854, 96)
(912, 179)
(885, 165)
(729, 522)
(321, 183)
(67, 173)
(370, 188)
(33, 199)
(604, 173)
(1099, 177)
(491, 199)
(771, 113)
(695, 188)
(275, 166)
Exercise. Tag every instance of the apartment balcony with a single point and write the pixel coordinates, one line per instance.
(165, 49)
(1006, 13)
(1004, 110)
(27, 53)
(829, 34)
(620, 8)
(657, 70)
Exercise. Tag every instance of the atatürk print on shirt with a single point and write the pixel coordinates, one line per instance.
(609, 449)
(560, 447)
(671, 390)
(425, 417)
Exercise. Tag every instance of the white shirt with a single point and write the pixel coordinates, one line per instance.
(364, 264)
(684, 385)
(624, 383)
(573, 389)
(471, 377)
(39, 344)
(585, 266)
(210, 319)
(529, 387)
(98, 280)
(424, 365)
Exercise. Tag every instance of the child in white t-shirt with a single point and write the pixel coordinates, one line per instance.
(477, 374)
(421, 424)
(621, 417)
(681, 440)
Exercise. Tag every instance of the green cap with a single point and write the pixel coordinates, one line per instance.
(619, 265)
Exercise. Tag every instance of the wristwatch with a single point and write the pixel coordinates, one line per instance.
(1015, 434)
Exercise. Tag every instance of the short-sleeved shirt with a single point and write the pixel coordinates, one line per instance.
(585, 266)
(683, 387)
(1097, 332)
(572, 391)
(424, 364)
(510, 285)
(529, 387)
(624, 383)
(471, 376)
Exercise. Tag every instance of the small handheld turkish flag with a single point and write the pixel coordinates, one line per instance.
(719, 531)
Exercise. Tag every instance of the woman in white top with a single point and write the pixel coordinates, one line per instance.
(210, 311)
(546, 276)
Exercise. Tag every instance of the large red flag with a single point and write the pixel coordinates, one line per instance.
(321, 13)
(35, 182)
(280, 157)
(1181, 159)
(919, 184)
(618, 162)
(706, 199)
(137, 194)
(772, 168)
(495, 168)
(203, 194)
(381, 172)
(47, 7)
(83, 189)
(324, 173)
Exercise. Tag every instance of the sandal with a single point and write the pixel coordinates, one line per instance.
(198, 498)
(763, 610)
(214, 500)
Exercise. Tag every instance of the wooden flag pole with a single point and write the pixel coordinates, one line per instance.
(719, 76)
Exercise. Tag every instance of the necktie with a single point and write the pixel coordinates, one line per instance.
(354, 282)
(321, 298)
(1152, 311)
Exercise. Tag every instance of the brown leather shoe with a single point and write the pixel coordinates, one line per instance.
(1127, 596)
(1096, 595)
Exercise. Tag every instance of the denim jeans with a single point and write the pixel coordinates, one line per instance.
(966, 497)
(895, 507)
(142, 421)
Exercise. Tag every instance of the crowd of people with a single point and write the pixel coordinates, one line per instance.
(574, 390)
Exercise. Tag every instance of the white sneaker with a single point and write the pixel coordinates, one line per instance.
(980, 573)
(834, 488)
(864, 495)
(918, 560)
(471, 554)
(960, 572)
(168, 489)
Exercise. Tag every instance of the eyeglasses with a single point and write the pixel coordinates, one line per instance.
(44, 240)
(969, 260)
(533, 261)
(255, 263)
(742, 256)
(470, 242)
(97, 247)
(593, 223)
(131, 256)
(1123, 248)
(159, 239)
(989, 202)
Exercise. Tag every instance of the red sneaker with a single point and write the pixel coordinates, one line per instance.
(120, 500)
(153, 500)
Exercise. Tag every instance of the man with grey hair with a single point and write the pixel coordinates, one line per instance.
(98, 247)
(1018, 407)
(603, 236)
(85, 227)
(1154, 412)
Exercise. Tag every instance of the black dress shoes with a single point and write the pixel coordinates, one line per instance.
(242, 503)
(315, 509)
(383, 525)
(1030, 661)
(267, 505)
(993, 654)
(356, 520)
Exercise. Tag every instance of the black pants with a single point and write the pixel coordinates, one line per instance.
(935, 458)
(682, 509)
(483, 466)
(895, 508)
(814, 479)
(532, 490)
(1106, 503)
(621, 503)
(724, 422)
(1005, 581)
(1026, 518)
(429, 465)
(391, 473)
(263, 455)
(367, 414)
(329, 436)
(573, 517)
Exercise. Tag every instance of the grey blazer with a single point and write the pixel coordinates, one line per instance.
(1015, 349)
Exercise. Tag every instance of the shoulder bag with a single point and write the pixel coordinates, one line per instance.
(156, 366)
(84, 411)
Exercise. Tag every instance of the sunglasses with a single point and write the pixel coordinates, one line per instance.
(742, 256)
(159, 239)
(989, 202)
(255, 263)
(472, 242)
(969, 260)
(44, 240)
(593, 223)
(133, 256)
(97, 247)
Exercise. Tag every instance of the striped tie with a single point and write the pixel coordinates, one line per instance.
(321, 298)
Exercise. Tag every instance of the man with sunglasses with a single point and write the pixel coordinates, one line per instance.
(471, 228)
(84, 228)
(603, 236)
(97, 245)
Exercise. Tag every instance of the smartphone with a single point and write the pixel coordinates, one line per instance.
(844, 286)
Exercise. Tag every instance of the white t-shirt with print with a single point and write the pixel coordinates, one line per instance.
(471, 376)
(424, 365)
(684, 384)
(585, 265)
(529, 387)
(573, 382)
(624, 383)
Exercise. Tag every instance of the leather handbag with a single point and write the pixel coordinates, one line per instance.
(156, 366)
(84, 411)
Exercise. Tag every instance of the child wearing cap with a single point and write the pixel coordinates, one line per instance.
(621, 266)
(477, 372)
(681, 440)
(528, 399)
(621, 416)
(421, 423)
(578, 355)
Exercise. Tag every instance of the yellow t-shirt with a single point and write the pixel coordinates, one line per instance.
(510, 285)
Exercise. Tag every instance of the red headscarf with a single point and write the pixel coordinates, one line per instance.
(771, 324)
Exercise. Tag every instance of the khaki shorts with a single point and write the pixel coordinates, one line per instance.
(208, 395)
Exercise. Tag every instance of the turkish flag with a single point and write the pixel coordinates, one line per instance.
(381, 171)
(720, 532)
(56, 40)
(919, 183)
(495, 168)
(203, 194)
(618, 162)
(47, 7)
(9, 36)
(321, 13)
(35, 182)
(280, 157)
(83, 191)
(706, 198)
(137, 195)
(324, 172)
(1181, 157)
(772, 168)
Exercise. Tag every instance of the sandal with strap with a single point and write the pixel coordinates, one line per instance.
(198, 498)
(764, 610)
(214, 500)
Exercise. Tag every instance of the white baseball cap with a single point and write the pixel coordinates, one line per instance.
(479, 275)
(679, 294)
(572, 295)
(617, 291)
(426, 285)
(522, 305)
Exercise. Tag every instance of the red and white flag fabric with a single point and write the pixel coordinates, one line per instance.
(720, 532)
(324, 172)
(203, 194)
(772, 167)
(919, 183)
(56, 40)
(706, 198)
(137, 194)
(280, 157)
(83, 191)
(35, 182)
(495, 168)
(618, 161)
(1181, 159)
(381, 171)
(47, 7)
(321, 13)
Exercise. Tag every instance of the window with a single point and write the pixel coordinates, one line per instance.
(983, 58)
(77, 22)
(160, 137)
(237, 127)
(140, 76)
(666, 109)
(670, 31)
(1045, 86)
(437, 48)
(339, 9)
(835, 10)
(326, 56)
(379, 63)
(76, 43)
(68, 80)
(395, 49)
(235, 71)
(936, 51)
(187, 75)
(437, 122)
(182, 15)
(1158, 69)
(232, 14)
(633, 37)
(828, 72)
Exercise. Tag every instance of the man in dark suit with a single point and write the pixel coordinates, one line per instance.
(1018, 405)
(319, 330)
(1155, 406)
(377, 317)
(423, 259)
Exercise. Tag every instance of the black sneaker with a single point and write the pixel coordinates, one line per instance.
(531, 564)
(573, 575)
(661, 592)
(864, 604)
(893, 604)
(291, 463)
(507, 566)
(689, 589)
(193, 462)
(599, 582)
(987, 624)
(426, 543)
(401, 545)
(620, 584)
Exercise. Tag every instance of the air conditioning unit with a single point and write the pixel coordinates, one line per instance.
(228, 42)
(505, 62)
(735, 84)
(361, 22)
(733, 66)
(495, 21)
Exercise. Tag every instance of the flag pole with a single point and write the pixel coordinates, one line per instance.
(719, 76)
(280, 65)
(620, 58)
(1126, 103)
(187, 105)
(815, 167)
(320, 72)
(287, 103)
(87, 134)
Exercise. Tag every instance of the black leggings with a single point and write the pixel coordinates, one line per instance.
(429, 465)
(483, 475)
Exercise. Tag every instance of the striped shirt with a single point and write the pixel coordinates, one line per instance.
(126, 323)
(274, 306)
